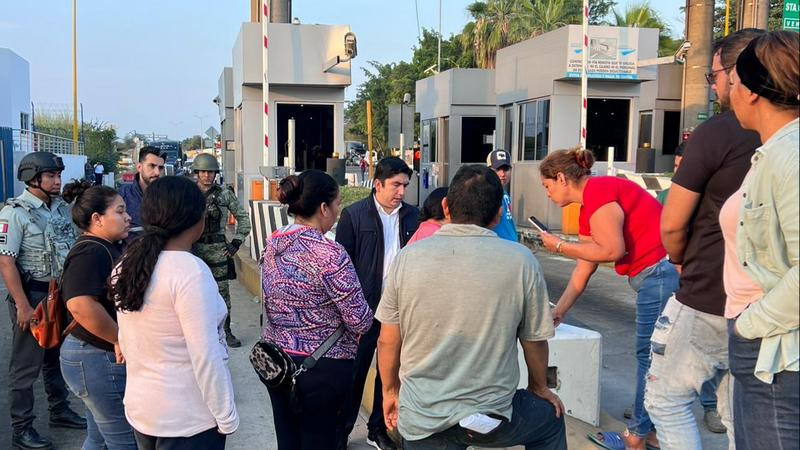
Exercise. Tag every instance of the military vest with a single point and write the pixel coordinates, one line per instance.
(57, 234)
(213, 211)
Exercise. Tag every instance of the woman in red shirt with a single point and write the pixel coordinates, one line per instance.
(619, 223)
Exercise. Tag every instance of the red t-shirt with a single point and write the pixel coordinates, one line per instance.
(641, 229)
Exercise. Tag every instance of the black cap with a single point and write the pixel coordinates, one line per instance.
(499, 158)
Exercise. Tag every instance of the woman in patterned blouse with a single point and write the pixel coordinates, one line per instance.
(310, 288)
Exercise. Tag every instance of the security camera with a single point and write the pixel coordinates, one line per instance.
(680, 55)
(350, 47)
(215, 100)
(406, 98)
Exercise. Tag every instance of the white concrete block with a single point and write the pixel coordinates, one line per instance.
(575, 357)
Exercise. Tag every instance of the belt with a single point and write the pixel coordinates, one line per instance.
(212, 239)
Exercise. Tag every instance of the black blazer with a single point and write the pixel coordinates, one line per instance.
(361, 233)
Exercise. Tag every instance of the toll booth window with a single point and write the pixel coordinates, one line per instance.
(476, 138)
(429, 139)
(534, 129)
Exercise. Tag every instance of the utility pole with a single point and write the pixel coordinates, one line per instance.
(369, 137)
(699, 32)
(74, 75)
(753, 14)
(439, 51)
(281, 11)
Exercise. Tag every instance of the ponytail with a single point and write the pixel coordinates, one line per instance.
(171, 205)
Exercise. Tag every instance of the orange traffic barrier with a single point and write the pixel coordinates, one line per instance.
(569, 218)
(257, 190)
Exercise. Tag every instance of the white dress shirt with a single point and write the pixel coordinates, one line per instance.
(391, 235)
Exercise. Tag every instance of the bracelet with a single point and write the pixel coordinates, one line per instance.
(674, 263)
(558, 246)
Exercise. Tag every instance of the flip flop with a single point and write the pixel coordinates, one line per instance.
(609, 440)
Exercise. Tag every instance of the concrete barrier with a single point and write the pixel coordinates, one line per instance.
(573, 371)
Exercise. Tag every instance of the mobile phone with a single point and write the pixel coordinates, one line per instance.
(538, 224)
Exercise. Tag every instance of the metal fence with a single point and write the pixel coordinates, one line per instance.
(32, 141)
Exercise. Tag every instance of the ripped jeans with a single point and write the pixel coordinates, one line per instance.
(689, 347)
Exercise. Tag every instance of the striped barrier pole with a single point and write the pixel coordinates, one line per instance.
(265, 86)
(584, 75)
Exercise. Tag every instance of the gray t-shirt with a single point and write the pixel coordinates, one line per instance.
(462, 298)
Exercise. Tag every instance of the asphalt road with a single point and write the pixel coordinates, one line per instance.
(607, 307)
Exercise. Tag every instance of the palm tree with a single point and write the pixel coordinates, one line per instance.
(642, 15)
(639, 15)
(548, 15)
(496, 24)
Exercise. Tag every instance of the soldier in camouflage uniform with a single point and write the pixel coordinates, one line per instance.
(36, 234)
(212, 246)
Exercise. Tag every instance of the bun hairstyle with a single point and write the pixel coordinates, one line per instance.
(574, 163)
(305, 192)
(86, 200)
(170, 206)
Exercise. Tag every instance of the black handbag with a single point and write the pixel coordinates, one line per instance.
(275, 368)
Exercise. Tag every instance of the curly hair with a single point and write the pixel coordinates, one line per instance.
(171, 205)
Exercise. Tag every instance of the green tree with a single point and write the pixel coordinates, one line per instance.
(99, 138)
(100, 145)
(642, 15)
(548, 15)
(598, 11)
(496, 24)
(192, 143)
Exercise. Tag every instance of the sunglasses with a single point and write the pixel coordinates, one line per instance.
(712, 76)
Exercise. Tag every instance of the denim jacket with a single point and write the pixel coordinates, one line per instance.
(767, 246)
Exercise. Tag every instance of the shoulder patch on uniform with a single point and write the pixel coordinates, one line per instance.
(3, 226)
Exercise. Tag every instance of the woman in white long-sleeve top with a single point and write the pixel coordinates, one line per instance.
(179, 393)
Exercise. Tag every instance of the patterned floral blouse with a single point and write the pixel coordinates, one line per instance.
(310, 287)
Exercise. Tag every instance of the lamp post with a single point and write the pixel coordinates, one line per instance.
(406, 101)
(201, 128)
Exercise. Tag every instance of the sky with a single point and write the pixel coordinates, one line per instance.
(152, 66)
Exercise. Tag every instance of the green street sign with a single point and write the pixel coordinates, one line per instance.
(791, 15)
(702, 116)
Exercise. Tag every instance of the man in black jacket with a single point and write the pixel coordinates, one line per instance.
(373, 231)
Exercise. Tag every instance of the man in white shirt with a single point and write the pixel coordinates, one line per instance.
(373, 231)
(98, 173)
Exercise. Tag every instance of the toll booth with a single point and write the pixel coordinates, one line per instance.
(458, 112)
(538, 94)
(304, 86)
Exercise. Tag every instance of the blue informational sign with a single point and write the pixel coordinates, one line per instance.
(613, 53)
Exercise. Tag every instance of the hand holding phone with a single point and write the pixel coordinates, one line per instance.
(538, 224)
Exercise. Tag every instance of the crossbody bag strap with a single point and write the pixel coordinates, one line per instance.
(311, 361)
(74, 323)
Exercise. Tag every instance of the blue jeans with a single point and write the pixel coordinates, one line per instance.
(690, 347)
(94, 376)
(765, 416)
(533, 424)
(708, 394)
(653, 294)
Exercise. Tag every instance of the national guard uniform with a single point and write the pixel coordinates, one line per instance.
(37, 237)
(212, 245)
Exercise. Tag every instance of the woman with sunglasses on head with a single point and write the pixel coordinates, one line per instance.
(760, 226)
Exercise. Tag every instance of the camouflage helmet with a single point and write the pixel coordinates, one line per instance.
(37, 162)
(205, 161)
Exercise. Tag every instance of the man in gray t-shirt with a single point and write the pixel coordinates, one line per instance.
(456, 304)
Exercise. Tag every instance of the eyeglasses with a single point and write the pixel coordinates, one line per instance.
(712, 76)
